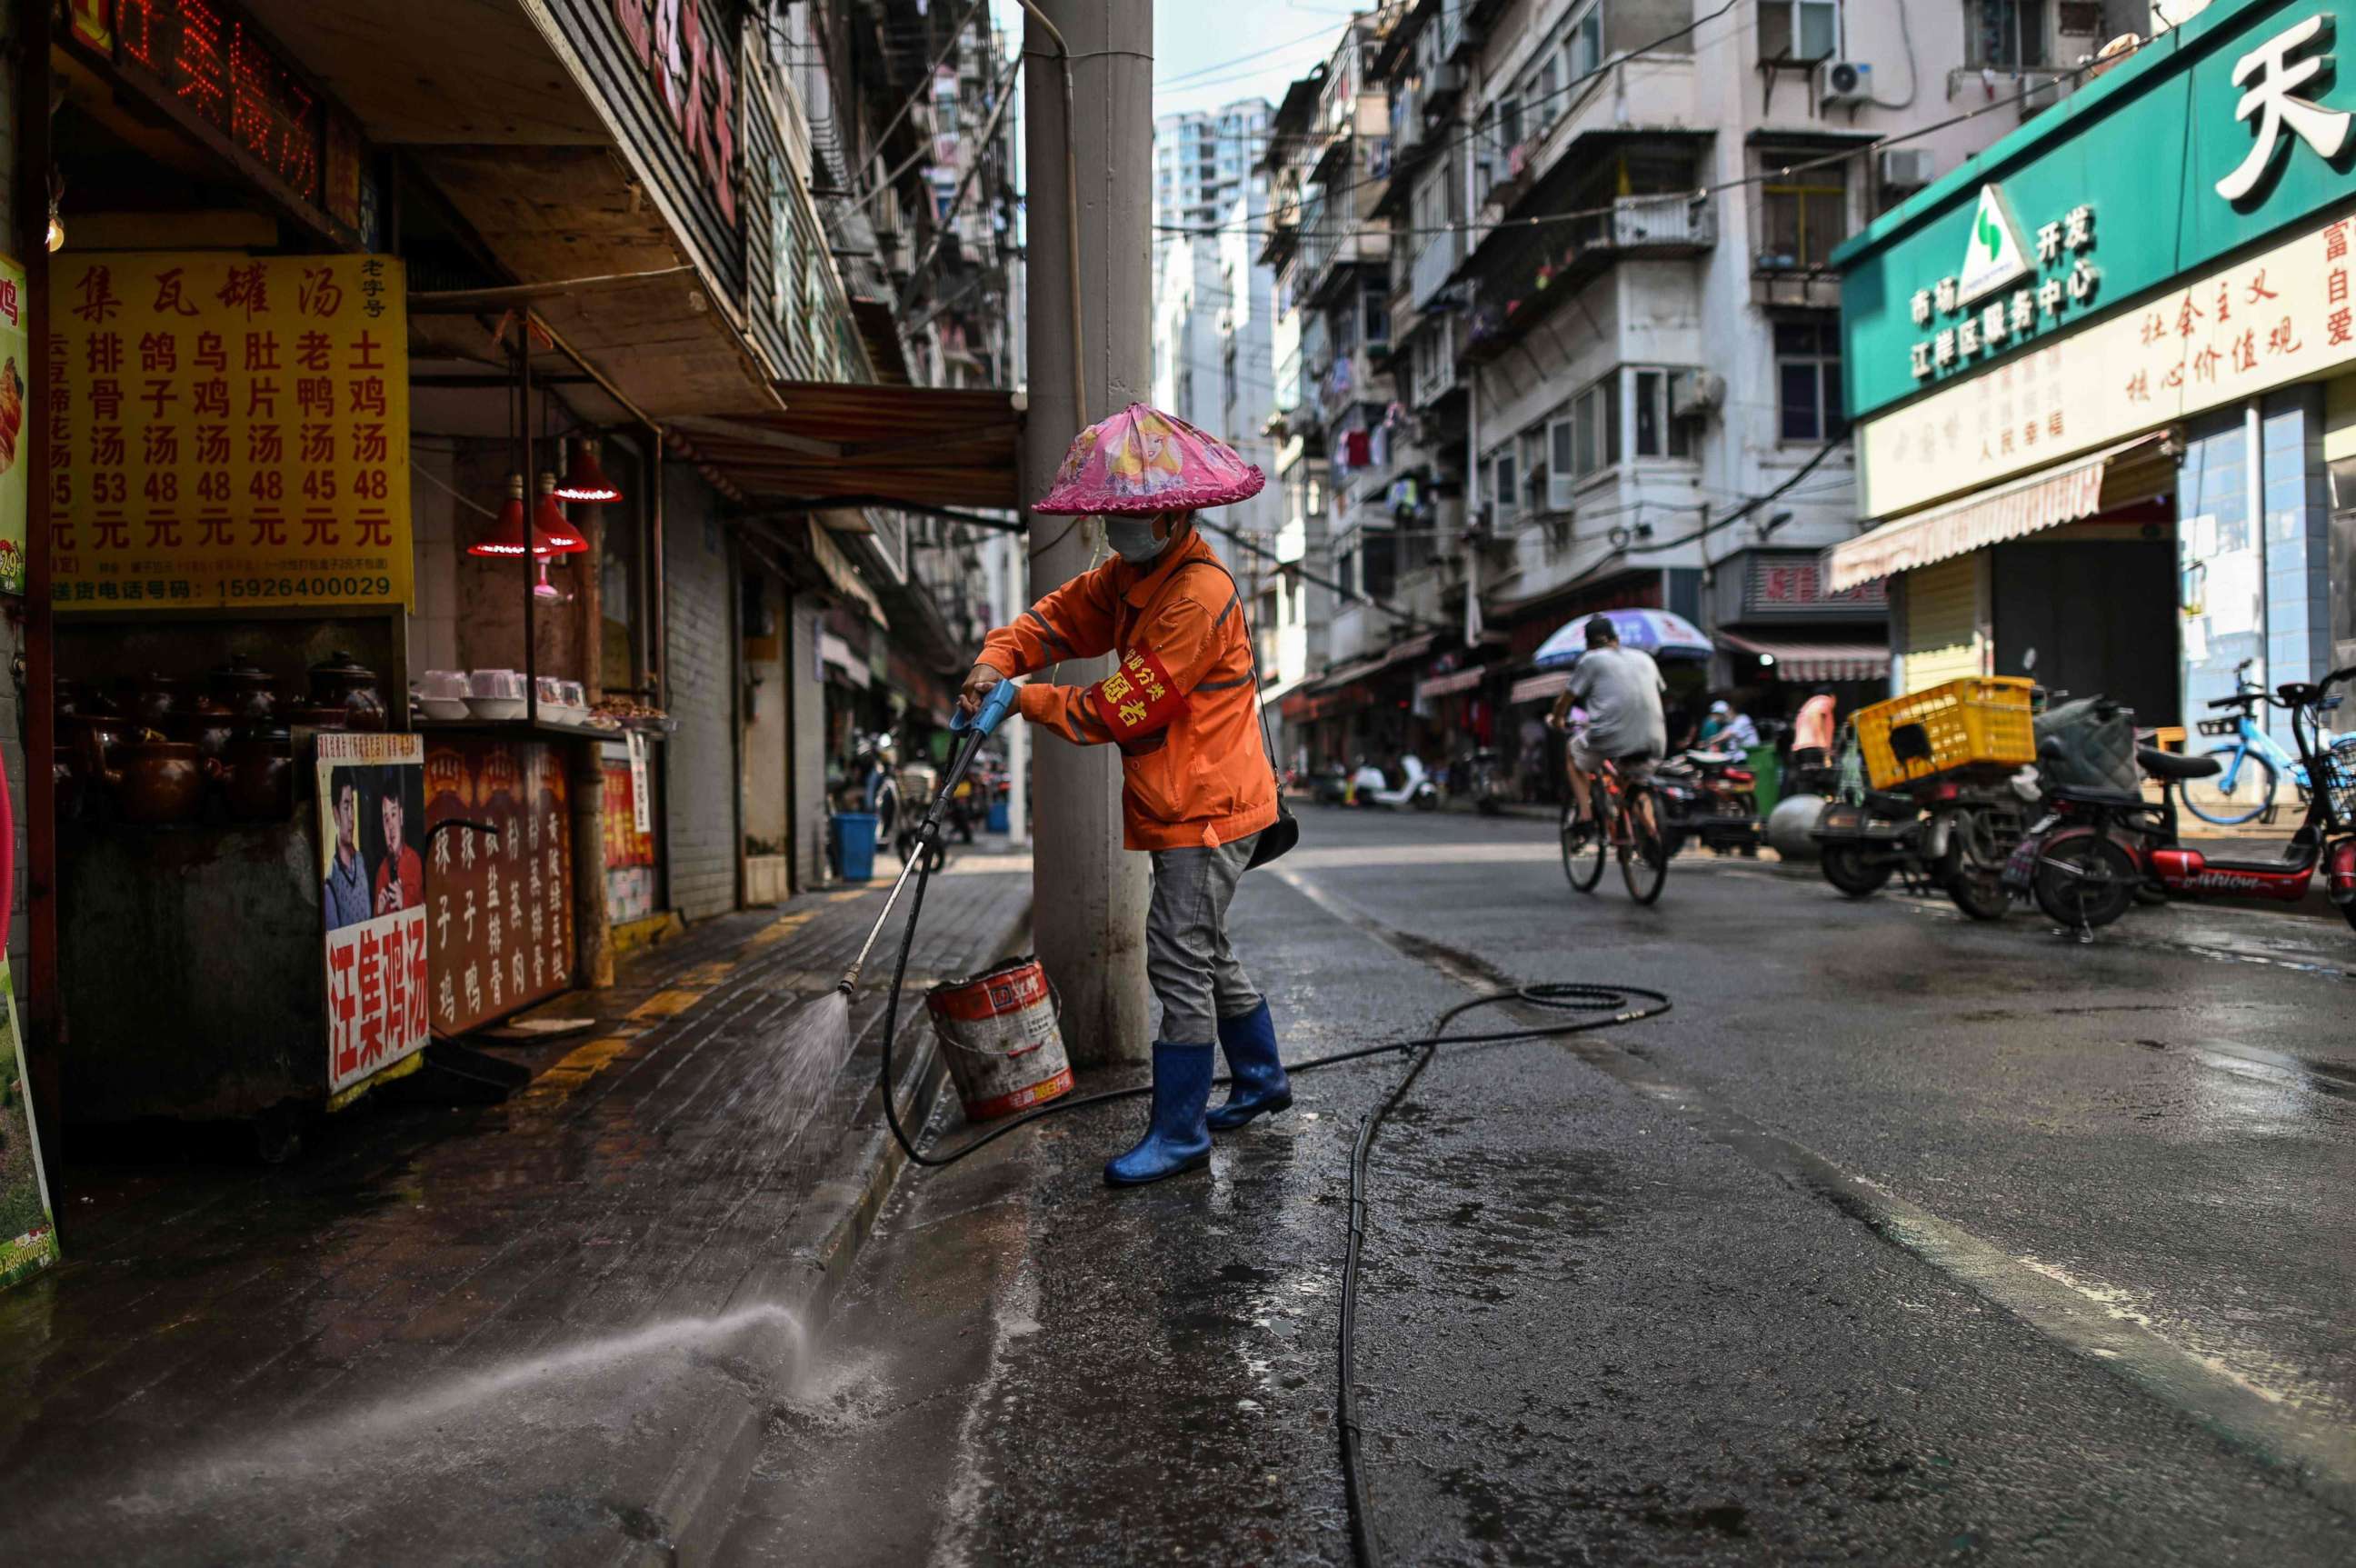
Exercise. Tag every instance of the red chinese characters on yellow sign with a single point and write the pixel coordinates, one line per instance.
(228, 431)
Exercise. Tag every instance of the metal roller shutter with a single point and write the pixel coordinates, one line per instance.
(1943, 618)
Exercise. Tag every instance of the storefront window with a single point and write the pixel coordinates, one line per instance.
(1808, 380)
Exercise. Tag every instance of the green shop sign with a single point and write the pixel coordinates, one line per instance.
(2214, 135)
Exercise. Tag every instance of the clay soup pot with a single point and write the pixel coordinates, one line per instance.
(244, 689)
(158, 781)
(256, 775)
(154, 698)
(340, 681)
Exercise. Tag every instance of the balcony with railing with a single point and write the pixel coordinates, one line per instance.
(1334, 248)
(1431, 361)
(1437, 258)
(1522, 286)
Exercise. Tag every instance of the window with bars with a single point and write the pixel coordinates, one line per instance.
(2004, 33)
(1808, 381)
(1656, 435)
(1803, 214)
(1798, 29)
(1505, 488)
(1583, 440)
(1582, 46)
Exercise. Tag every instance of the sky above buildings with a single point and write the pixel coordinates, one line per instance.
(1210, 52)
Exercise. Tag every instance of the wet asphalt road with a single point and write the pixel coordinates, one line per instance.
(1901, 1240)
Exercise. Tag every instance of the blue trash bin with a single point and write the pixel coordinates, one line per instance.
(997, 816)
(855, 830)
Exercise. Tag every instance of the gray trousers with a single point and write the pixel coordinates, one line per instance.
(1193, 970)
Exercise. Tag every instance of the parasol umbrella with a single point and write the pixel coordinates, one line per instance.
(1661, 633)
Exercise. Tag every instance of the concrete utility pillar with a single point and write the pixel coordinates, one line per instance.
(1089, 895)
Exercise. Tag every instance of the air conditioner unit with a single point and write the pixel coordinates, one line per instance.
(1844, 82)
(1908, 169)
(1693, 393)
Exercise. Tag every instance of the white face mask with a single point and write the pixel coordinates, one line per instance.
(1132, 538)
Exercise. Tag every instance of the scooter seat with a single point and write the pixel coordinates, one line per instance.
(1890, 803)
(2085, 797)
(2174, 765)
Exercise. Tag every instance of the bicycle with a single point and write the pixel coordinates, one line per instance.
(1635, 835)
(2254, 765)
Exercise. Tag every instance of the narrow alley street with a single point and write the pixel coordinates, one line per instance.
(1900, 1241)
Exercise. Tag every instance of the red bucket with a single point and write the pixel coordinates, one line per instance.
(999, 1031)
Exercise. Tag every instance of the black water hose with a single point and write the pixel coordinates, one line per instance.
(1608, 1006)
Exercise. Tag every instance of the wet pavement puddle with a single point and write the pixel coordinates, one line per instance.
(2309, 1443)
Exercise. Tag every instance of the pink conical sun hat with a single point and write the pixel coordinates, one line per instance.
(1143, 460)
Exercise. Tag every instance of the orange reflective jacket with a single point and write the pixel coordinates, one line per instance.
(1180, 704)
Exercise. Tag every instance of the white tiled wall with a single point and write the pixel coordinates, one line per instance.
(434, 524)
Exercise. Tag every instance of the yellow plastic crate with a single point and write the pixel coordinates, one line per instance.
(1981, 720)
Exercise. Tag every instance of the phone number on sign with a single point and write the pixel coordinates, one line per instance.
(308, 587)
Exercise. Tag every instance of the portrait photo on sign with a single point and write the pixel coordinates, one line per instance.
(374, 841)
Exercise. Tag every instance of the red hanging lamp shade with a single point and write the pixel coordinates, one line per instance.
(584, 477)
(552, 534)
(505, 535)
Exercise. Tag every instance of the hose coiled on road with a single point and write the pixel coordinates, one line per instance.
(1600, 1007)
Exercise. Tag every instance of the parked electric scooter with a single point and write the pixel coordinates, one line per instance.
(1419, 791)
(2085, 876)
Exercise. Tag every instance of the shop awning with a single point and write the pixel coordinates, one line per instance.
(843, 443)
(837, 655)
(1543, 688)
(2131, 471)
(844, 577)
(1796, 661)
(1359, 670)
(1450, 684)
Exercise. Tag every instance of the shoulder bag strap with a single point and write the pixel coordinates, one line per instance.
(1251, 653)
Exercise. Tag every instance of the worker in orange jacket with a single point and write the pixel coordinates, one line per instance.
(1182, 704)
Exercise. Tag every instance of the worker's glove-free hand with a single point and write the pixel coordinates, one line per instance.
(984, 701)
(980, 682)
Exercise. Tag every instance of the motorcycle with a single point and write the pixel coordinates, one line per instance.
(1941, 833)
(2088, 864)
(1710, 796)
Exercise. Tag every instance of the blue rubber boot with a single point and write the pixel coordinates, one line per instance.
(1177, 1140)
(1258, 1086)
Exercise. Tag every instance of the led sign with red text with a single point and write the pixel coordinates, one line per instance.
(224, 71)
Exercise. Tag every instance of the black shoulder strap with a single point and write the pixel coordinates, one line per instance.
(1251, 653)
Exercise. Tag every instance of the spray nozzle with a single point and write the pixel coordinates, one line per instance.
(993, 709)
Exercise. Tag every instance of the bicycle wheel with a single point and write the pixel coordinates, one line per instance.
(2083, 879)
(1583, 850)
(2239, 794)
(1644, 859)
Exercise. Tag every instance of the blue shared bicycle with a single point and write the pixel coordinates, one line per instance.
(2252, 766)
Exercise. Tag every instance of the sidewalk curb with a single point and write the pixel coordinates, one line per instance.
(722, 1443)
